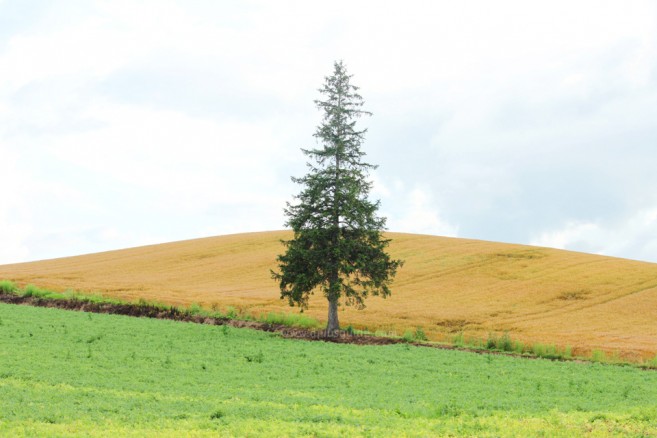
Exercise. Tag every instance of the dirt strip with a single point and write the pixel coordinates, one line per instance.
(175, 314)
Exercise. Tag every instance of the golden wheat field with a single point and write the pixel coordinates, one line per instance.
(446, 286)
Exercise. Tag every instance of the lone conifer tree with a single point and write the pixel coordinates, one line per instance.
(337, 245)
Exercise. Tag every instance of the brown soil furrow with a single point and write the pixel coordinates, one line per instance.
(504, 287)
(175, 314)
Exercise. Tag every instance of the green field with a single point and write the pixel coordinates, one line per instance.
(64, 373)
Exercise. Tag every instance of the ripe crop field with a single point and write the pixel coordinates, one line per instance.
(447, 286)
(65, 373)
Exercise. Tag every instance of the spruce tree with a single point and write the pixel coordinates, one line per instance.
(338, 246)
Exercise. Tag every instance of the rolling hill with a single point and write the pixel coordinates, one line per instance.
(447, 286)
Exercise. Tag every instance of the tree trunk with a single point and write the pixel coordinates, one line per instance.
(333, 324)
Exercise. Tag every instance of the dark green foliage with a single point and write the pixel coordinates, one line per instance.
(7, 286)
(505, 343)
(216, 415)
(32, 291)
(419, 334)
(257, 358)
(491, 342)
(337, 246)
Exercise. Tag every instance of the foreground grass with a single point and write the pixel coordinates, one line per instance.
(65, 373)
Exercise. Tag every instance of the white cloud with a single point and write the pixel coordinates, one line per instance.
(633, 237)
(416, 213)
(14, 211)
(166, 119)
(63, 240)
(191, 161)
(83, 50)
(573, 235)
(13, 238)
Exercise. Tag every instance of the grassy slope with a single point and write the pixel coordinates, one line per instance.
(64, 372)
(537, 294)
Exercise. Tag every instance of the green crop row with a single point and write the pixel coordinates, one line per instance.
(504, 343)
(68, 373)
(497, 343)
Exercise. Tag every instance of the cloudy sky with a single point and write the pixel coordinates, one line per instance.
(128, 123)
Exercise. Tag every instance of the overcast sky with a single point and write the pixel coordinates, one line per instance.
(129, 123)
